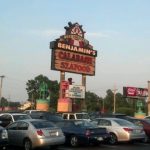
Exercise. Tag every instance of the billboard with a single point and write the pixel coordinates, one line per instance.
(72, 52)
(76, 91)
(135, 92)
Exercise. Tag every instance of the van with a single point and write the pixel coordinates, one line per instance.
(76, 116)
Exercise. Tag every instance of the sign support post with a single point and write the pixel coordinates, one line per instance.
(84, 100)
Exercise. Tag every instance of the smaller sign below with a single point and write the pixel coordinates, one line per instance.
(76, 91)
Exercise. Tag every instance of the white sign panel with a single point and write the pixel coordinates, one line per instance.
(76, 91)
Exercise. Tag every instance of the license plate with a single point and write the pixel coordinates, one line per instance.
(100, 139)
(52, 133)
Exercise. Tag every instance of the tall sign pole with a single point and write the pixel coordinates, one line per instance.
(62, 78)
(84, 84)
(148, 102)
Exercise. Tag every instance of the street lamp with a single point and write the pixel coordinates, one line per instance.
(1, 89)
(114, 91)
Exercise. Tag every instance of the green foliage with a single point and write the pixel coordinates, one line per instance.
(93, 101)
(33, 89)
(126, 110)
(6, 103)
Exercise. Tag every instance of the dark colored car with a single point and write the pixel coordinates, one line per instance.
(3, 138)
(46, 116)
(82, 132)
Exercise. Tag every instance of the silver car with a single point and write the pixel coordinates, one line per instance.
(120, 129)
(32, 133)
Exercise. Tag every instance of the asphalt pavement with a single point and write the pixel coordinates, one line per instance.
(120, 146)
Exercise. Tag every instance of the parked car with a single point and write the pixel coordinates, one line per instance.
(32, 133)
(147, 117)
(120, 129)
(46, 116)
(76, 116)
(7, 118)
(3, 138)
(80, 132)
(145, 123)
(30, 111)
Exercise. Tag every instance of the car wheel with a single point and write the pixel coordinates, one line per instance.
(27, 144)
(74, 141)
(145, 140)
(113, 138)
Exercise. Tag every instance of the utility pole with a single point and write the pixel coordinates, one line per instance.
(1, 85)
(114, 91)
(148, 102)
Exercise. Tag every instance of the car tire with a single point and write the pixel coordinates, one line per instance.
(74, 141)
(145, 140)
(27, 144)
(113, 139)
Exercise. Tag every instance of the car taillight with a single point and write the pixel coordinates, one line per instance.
(4, 134)
(40, 132)
(128, 129)
(88, 133)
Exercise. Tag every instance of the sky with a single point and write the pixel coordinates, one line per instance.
(118, 29)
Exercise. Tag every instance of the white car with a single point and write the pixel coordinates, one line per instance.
(7, 118)
(121, 130)
(76, 116)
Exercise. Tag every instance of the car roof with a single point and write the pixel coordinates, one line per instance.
(13, 114)
(111, 118)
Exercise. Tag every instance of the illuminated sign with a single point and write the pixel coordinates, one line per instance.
(72, 52)
(73, 62)
(135, 92)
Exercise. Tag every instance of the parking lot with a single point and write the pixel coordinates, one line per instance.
(120, 146)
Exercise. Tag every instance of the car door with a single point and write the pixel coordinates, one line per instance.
(12, 133)
(22, 132)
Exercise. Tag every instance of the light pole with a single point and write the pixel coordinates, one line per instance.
(114, 91)
(1, 89)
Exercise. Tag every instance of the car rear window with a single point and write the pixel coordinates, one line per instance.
(123, 122)
(42, 124)
(21, 117)
(84, 124)
(82, 116)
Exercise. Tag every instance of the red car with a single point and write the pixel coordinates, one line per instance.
(146, 126)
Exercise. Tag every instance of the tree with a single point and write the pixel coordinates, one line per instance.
(108, 100)
(33, 89)
(4, 102)
(93, 101)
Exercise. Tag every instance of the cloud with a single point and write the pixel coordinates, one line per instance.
(98, 34)
(54, 32)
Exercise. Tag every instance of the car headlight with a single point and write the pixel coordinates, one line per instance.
(4, 134)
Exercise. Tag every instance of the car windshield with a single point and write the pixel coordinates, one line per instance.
(147, 121)
(21, 117)
(53, 117)
(82, 116)
(124, 122)
(84, 124)
(42, 124)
